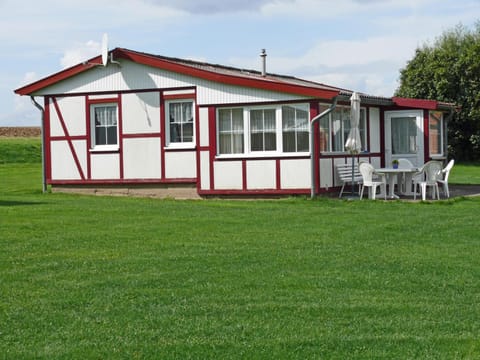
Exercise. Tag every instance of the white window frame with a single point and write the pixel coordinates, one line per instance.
(278, 135)
(232, 132)
(179, 145)
(247, 151)
(363, 131)
(441, 120)
(105, 147)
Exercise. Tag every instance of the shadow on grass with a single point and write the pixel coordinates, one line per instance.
(19, 203)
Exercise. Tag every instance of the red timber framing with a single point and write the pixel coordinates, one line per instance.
(66, 136)
(51, 103)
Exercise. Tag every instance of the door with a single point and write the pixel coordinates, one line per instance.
(404, 136)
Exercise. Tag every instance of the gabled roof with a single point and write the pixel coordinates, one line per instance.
(212, 72)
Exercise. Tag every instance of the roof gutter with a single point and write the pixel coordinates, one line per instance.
(42, 110)
(312, 147)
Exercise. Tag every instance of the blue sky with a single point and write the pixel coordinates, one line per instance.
(354, 44)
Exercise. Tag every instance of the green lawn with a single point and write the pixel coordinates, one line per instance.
(116, 277)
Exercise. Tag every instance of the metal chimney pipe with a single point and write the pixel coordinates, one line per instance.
(263, 55)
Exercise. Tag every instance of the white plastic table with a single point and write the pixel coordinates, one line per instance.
(391, 175)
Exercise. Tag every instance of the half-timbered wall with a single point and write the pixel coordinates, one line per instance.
(143, 155)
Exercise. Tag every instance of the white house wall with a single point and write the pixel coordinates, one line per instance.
(204, 128)
(295, 174)
(146, 149)
(180, 165)
(72, 110)
(133, 76)
(141, 113)
(326, 173)
(62, 162)
(374, 130)
(204, 170)
(105, 166)
(261, 174)
(228, 175)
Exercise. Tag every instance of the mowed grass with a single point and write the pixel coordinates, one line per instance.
(113, 277)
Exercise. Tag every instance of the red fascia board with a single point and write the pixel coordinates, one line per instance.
(416, 103)
(59, 76)
(145, 59)
(265, 84)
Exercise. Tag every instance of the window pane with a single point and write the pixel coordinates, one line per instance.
(436, 133)
(263, 130)
(111, 135)
(325, 134)
(230, 129)
(303, 141)
(100, 136)
(225, 144)
(404, 135)
(288, 139)
(256, 120)
(175, 133)
(224, 122)
(294, 127)
(187, 132)
(256, 140)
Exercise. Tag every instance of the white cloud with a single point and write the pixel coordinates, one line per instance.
(80, 52)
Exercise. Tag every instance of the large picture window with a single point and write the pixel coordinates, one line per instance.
(104, 126)
(435, 124)
(267, 129)
(180, 115)
(334, 129)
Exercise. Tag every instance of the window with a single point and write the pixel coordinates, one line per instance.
(263, 136)
(104, 126)
(295, 121)
(230, 131)
(435, 124)
(256, 130)
(404, 135)
(334, 129)
(180, 122)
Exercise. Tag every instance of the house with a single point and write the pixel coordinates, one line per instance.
(154, 125)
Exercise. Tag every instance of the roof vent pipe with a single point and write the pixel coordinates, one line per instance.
(263, 55)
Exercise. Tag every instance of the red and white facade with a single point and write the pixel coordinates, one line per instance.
(161, 123)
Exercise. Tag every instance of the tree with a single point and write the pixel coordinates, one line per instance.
(449, 71)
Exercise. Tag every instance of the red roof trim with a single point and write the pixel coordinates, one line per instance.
(59, 76)
(170, 65)
(416, 103)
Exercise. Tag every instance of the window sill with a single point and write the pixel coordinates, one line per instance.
(261, 156)
(343, 153)
(105, 149)
(173, 147)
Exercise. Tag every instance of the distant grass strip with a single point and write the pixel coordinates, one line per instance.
(87, 277)
(20, 150)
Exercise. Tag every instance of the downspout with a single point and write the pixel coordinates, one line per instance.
(42, 110)
(312, 147)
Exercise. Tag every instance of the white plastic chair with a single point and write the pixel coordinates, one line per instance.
(430, 173)
(444, 180)
(368, 173)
